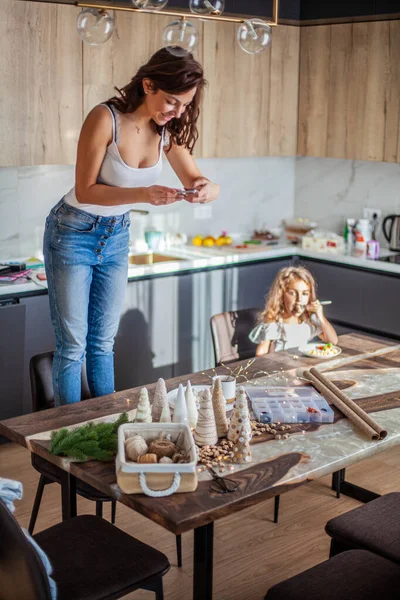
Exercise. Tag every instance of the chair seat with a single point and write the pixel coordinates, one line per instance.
(46, 468)
(352, 575)
(375, 526)
(96, 560)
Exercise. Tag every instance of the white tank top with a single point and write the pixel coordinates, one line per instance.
(115, 172)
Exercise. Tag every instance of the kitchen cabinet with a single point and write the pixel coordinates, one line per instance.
(41, 84)
(349, 91)
(361, 300)
(12, 328)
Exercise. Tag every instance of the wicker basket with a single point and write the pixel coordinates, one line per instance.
(156, 479)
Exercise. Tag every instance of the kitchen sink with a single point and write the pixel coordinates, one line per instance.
(152, 258)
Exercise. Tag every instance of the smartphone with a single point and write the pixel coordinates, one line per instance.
(188, 192)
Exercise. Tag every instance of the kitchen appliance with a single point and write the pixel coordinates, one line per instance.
(391, 231)
(394, 259)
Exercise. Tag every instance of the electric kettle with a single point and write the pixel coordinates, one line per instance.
(391, 231)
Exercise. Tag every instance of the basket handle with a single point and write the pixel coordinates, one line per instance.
(159, 493)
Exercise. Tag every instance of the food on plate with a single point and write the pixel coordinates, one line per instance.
(264, 234)
(325, 350)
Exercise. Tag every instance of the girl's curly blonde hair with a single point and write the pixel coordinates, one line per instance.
(274, 305)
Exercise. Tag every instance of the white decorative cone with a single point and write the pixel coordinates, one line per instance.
(191, 406)
(219, 407)
(160, 400)
(143, 412)
(206, 429)
(165, 415)
(240, 417)
(180, 410)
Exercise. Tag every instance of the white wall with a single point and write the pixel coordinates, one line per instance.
(254, 191)
(329, 190)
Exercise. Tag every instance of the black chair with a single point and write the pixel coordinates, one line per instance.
(230, 336)
(40, 370)
(353, 575)
(374, 526)
(91, 559)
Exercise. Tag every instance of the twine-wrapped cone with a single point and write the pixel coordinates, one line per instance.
(350, 409)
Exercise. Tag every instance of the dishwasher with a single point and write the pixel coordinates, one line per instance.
(12, 346)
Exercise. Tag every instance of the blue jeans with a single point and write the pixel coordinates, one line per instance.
(86, 258)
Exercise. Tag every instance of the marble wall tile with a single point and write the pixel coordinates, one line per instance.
(254, 191)
(331, 190)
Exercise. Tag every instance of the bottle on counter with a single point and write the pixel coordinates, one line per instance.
(349, 235)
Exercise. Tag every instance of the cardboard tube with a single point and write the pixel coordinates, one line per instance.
(350, 403)
(344, 408)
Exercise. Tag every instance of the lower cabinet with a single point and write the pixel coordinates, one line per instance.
(361, 300)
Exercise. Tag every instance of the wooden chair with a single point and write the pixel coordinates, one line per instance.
(230, 336)
(374, 526)
(353, 575)
(40, 369)
(91, 559)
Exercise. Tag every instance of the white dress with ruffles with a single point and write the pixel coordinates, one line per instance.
(286, 335)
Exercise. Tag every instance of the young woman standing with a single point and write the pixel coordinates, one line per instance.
(86, 239)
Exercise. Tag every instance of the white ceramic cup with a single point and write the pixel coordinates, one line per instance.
(228, 383)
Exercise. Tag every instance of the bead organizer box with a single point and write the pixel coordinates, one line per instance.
(289, 405)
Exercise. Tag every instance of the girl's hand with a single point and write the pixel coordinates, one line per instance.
(316, 308)
(159, 195)
(206, 191)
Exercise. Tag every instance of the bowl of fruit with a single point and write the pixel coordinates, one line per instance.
(209, 241)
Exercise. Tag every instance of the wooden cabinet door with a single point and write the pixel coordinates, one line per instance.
(41, 84)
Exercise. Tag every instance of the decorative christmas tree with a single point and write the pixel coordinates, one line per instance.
(240, 417)
(206, 429)
(218, 402)
(180, 410)
(165, 415)
(241, 450)
(160, 400)
(143, 413)
(191, 406)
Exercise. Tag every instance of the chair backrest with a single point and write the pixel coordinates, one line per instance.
(22, 573)
(230, 335)
(40, 371)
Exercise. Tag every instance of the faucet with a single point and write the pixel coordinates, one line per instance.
(140, 212)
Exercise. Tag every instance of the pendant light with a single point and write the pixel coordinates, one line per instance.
(180, 37)
(95, 26)
(254, 36)
(207, 7)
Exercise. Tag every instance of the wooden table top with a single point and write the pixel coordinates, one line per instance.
(280, 473)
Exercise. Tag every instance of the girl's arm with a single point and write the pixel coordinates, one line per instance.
(328, 334)
(191, 177)
(263, 348)
(96, 135)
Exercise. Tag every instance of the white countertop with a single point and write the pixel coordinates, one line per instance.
(198, 259)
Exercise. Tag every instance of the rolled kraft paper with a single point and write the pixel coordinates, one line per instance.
(382, 433)
(350, 414)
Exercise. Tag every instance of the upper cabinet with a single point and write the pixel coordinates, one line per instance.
(349, 101)
(41, 84)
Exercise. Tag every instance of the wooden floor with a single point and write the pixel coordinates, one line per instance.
(250, 552)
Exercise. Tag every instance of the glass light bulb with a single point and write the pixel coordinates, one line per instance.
(95, 26)
(207, 7)
(140, 3)
(156, 4)
(180, 37)
(254, 36)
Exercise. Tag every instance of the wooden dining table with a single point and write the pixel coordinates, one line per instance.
(311, 451)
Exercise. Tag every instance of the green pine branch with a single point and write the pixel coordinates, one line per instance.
(97, 441)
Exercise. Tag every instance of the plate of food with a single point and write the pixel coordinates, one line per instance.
(320, 350)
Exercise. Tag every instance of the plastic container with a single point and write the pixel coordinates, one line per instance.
(156, 479)
(290, 405)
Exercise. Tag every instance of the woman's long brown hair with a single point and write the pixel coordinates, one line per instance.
(174, 75)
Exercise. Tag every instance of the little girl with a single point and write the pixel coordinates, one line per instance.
(292, 314)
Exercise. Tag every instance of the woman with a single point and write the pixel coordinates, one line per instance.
(86, 238)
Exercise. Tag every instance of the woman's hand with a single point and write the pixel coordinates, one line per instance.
(316, 308)
(206, 191)
(159, 195)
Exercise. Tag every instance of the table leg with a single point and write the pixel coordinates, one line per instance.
(341, 486)
(68, 495)
(203, 562)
